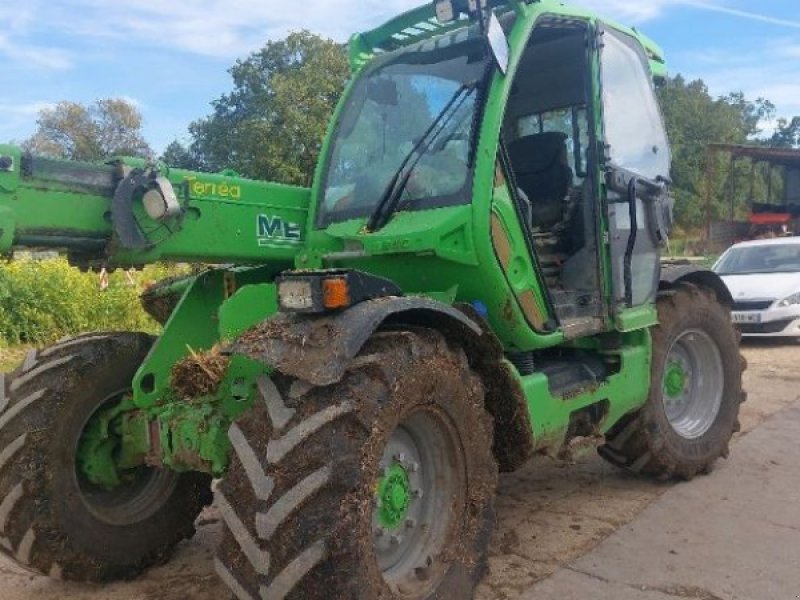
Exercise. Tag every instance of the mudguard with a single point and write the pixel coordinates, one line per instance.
(673, 273)
(318, 349)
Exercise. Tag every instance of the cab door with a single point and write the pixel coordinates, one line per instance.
(637, 163)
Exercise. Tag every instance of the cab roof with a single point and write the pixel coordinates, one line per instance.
(421, 23)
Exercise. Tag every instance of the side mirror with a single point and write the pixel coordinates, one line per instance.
(498, 42)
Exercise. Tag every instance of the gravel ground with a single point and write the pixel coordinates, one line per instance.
(550, 513)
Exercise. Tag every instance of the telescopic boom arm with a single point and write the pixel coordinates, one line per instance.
(129, 212)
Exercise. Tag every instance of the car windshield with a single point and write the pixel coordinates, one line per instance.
(389, 110)
(774, 258)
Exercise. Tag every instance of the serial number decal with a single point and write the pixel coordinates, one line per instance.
(272, 230)
(207, 189)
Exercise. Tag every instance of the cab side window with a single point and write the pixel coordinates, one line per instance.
(634, 127)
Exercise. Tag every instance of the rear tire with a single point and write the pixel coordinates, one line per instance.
(52, 520)
(320, 499)
(695, 392)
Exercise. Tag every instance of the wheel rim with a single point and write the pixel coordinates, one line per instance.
(420, 475)
(143, 495)
(143, 492)
(693, 384)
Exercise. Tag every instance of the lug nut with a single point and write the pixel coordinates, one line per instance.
(413, 466)
(400, 457)
(417, 494)
(380, 532)
(410, 523)
(395, 540)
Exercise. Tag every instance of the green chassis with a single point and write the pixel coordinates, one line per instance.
(193, 433)
(226, 219)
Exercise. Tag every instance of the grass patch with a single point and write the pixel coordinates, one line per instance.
(42, 301)
(10, 358)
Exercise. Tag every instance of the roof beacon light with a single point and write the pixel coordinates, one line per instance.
(445, 12)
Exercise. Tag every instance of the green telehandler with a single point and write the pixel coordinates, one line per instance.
(474, 278)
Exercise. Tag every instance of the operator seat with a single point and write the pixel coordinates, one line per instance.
(543, 173)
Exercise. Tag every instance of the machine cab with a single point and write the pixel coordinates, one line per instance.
(585, 159)
(515, 156)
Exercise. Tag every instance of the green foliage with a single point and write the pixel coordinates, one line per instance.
(180, 157)
(108, 127)
(272, 124)
(44, 300)
(695, 119)
(787, 134)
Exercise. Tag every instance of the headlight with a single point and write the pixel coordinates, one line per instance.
(313, 294)
(334, 289)
(296, 295)
(789, 301)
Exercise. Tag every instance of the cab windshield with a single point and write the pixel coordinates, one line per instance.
(388, 112)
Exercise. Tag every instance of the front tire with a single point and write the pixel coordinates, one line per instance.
(695, 391)
(52, 520)
(378, 487)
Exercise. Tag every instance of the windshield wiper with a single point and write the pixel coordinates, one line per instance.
(390, 199)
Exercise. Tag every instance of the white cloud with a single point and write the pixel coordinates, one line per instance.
(219, 28)
(31, 109)
(135, 102)
(745, 14)
(19, 117)
(627, 11)
(646, 10)
(28, 56)
(232, 28)
(768, 70)
(16, 50)
(788, 50)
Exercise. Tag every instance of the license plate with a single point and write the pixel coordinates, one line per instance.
(746, 317)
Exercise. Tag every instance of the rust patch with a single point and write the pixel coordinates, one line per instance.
(532, 313)
(502, 245)
(508, 311)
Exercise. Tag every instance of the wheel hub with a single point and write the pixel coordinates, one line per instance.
(419, 475)
(675, 380)
(394, 493)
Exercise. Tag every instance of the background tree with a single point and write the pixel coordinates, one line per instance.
(180, 157)
(695, 119)
(787, 134)
(108, 127)
(272, 124)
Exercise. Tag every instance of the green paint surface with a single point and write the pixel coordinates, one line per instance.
(443, 253)
(394, 496)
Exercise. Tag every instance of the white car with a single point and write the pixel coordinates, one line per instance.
(763, 277)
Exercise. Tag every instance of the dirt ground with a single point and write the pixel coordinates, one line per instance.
(549, 513)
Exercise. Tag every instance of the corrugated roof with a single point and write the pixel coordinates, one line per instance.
(789, 157)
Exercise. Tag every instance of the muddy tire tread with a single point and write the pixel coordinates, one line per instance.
(30, 400)
(633, 444)
(298, 421)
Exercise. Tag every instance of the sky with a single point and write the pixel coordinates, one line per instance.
(172, 59)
